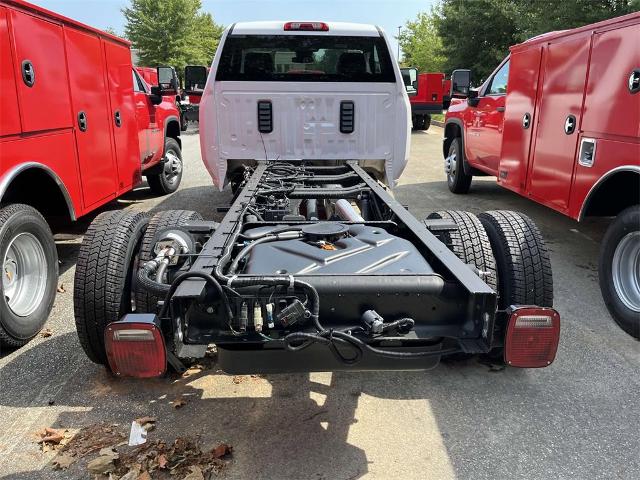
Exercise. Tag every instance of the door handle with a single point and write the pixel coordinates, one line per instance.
(117, 118)
(634, 81)
(526, 120)
(28, 73)
(570, 125)
(82, 121)
(500, 109)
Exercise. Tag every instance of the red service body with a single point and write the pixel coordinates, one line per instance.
(78, 128)
(432, 93)
(559, 122)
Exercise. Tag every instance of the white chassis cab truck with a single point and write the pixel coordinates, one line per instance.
(315, 266)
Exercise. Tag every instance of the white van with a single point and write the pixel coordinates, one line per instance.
(326, 92)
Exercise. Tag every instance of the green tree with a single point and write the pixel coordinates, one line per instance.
(477, 34)
(171, 32)
(421, 44)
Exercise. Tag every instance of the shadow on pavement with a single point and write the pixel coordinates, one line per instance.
(281, 426)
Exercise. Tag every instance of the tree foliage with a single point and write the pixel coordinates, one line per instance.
(171, 32)
(477, 34)
(421, 44)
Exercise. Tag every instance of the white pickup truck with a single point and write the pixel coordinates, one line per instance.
(314, 267)
(299, 73)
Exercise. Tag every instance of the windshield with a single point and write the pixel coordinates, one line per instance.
(301, 58)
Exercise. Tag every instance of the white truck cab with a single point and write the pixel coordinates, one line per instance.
(326, 92)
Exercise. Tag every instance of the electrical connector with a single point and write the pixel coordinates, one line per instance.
(373, 321)
(269, 309)
(257, 316)
(292, 313)
(244, 317)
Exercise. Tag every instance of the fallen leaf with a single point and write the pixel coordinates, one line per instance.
(63, 461)
(102, 465)
(61, 288)
(109, 452)
(162, 461)
(222, 450)
(149, 426)
(193, 370)
(179, 403)
(46, 333)
(195, 473)
(143, 476)
(142, 420)
(51, 435)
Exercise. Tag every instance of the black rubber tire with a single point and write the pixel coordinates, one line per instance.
(522, 258)
(15, 219)
(458, 182)
(103, 280)
(145, 301)
(158, 183)
(470, 243)
(426, 123)
(628, 221)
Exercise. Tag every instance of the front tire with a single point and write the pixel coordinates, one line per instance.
(619, 270)
(457, 180)
(29, 271)
(169, 178)
(104, 274)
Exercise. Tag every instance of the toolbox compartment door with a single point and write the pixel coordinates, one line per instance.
(89, 100)
(521, 101)
(45, 104)
(564, 73)
(10, 123)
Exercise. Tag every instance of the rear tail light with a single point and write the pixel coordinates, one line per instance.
(532, 337)
(306, 26)
(135, 347)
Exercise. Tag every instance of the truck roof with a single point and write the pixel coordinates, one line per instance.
(56, 17)
(277, 27)
(604, 25)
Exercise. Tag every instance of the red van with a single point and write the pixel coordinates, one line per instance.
(559, 122)
(78, 128)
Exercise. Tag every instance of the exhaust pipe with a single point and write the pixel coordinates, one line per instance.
(345, 211)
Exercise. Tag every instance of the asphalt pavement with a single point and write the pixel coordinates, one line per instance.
(577, 419)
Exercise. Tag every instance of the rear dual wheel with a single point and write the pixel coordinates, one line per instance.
(103, 286)
(508, 251)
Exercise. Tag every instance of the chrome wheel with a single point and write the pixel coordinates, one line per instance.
(625, 269)
(24, 274)
(451, 166)
(172, 167)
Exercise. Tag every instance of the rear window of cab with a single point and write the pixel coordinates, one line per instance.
(305, 58)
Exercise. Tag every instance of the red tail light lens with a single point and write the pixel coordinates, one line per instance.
(532, 337)
(135, 347)
(306, 26)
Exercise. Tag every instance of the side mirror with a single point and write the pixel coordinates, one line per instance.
(460, 83)
(410, 78)
(156, 95)
(168, 80)
(195, 77)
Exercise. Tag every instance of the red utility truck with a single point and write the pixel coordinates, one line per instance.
(78, 128)
(428, 93)
(559, 122)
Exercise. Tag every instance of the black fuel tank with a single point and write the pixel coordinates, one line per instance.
(348, 250)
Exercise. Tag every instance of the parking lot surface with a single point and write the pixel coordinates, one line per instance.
(579, 418)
